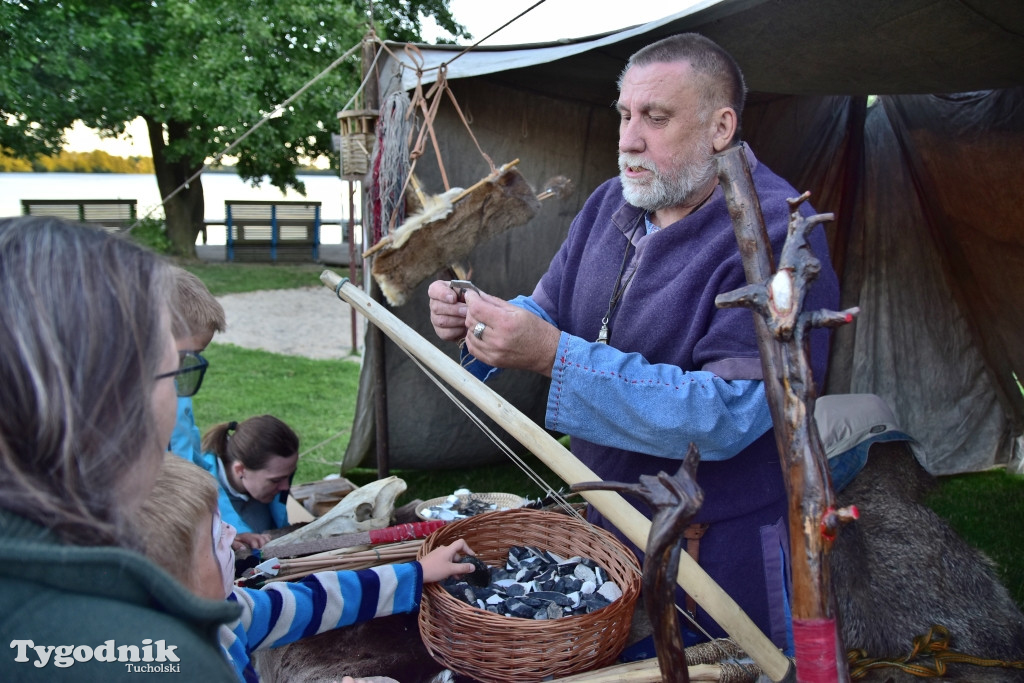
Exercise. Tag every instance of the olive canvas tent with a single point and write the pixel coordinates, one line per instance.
(923, 179)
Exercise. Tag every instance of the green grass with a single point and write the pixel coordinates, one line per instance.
(987, 509)
(235, 278)
(315, 397)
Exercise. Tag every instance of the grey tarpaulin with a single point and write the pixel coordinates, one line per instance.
(929, 232)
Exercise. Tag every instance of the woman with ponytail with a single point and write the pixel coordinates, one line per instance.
(253, 462)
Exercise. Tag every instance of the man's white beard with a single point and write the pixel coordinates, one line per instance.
(668, 189)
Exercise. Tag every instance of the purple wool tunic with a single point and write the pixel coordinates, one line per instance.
(668, 315)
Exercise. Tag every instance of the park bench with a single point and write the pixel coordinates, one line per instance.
(112, 214)
(272, 231)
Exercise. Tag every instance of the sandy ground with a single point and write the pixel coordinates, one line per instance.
(310, 321)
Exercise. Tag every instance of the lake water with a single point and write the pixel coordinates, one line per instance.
(330, 190)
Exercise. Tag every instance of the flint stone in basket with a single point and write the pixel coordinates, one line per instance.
(515, 590)
(551, 596)
(538, 592)
(584, 573)
(552, 611)
(517, 608)
(480, 576)
(594, 602)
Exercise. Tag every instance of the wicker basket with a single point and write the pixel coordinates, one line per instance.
(502, 500)
(494, 648)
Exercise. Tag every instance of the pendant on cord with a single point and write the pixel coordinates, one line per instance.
(602, 336)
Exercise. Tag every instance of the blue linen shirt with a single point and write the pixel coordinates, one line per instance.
(676, 407)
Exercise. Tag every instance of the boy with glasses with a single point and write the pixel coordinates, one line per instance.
(198, 316)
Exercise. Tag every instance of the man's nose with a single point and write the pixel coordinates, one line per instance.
(630, 137)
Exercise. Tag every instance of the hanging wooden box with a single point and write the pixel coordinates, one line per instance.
(357, 137)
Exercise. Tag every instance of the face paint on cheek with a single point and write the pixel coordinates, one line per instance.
(223, 535)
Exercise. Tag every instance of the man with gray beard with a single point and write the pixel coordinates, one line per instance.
(624, 323)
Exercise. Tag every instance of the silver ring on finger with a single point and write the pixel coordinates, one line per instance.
(478, 330)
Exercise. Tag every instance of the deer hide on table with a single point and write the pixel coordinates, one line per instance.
(426, 246)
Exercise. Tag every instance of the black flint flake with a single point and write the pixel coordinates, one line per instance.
(535, 584)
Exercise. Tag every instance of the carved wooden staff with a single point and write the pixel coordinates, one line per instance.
(782, 335)
(674, 500)
(694, 580)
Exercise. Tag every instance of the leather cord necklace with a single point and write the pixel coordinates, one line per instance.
(620, 286)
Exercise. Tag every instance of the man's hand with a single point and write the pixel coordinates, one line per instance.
(447, 313)
(511, 337)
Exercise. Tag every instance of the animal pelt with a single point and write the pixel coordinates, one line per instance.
(488, 210)
(900, 569)
(389, 647)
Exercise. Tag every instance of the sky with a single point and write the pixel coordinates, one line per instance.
(550, 21)
(557, 19)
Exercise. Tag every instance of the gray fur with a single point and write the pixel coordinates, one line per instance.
(901, 568)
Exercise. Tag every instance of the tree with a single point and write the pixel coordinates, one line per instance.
(199, 74)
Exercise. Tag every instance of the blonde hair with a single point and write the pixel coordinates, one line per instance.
(183, 495)
(198, 310)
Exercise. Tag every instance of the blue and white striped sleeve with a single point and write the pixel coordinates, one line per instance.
(283, 612)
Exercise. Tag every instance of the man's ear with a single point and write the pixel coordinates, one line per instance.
(724, 121)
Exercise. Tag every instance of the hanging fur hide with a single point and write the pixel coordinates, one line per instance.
(445, 232)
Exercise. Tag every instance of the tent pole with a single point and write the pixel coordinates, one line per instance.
(352, 257)
(371, 95)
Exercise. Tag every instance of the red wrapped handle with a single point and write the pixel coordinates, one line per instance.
(405, 532)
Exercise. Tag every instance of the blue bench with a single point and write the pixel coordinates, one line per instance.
(272, 231)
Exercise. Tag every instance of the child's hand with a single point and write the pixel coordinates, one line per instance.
(440, 563)
(250, 540)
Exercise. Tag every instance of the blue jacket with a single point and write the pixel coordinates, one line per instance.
(186, 439)
(278, 509)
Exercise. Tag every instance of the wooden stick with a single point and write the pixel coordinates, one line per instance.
(776, 299)
(643, 671)
(360, 560)
(357, 551)
(694, 580)
(489, 179)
